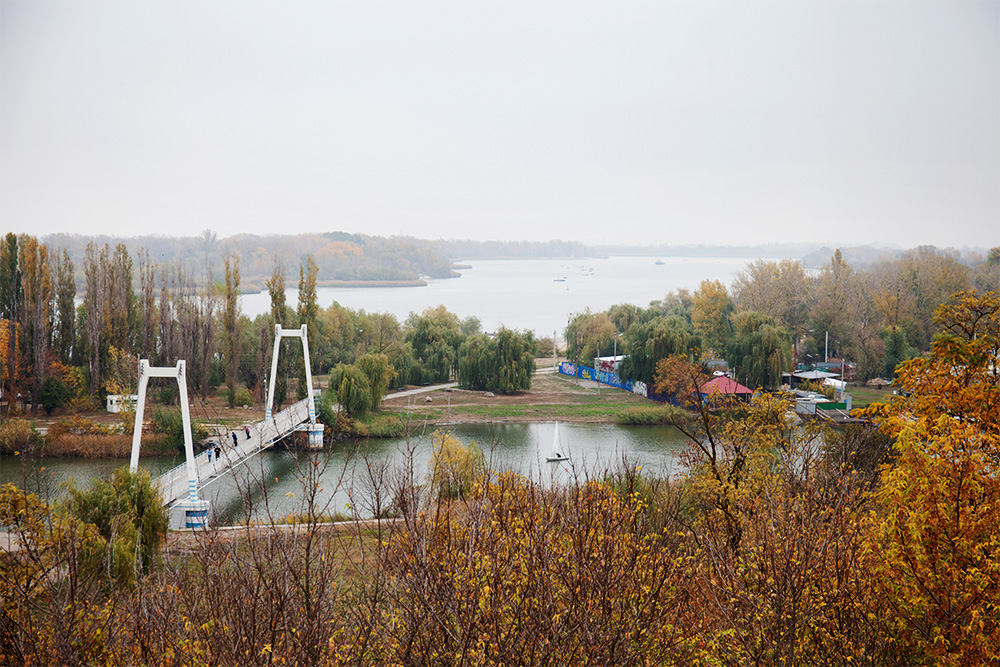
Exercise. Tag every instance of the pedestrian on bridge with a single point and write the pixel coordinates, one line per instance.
(247, 429)
(235, 440)
(218, 452)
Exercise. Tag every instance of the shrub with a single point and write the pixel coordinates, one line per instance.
(242, 397)
(55, 394)
(78, 426)
(17, 435)
(170, 423)
(89, 445)
(650, 415)
(535, 576)
(126, 510)
(380, 425)
(454, 466)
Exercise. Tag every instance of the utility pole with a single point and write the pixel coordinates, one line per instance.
(597, 369)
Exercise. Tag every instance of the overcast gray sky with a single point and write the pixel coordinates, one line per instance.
(646, 122)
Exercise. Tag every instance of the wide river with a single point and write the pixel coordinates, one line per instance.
(535, 294)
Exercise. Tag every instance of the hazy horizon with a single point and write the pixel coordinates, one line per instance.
(681, 123)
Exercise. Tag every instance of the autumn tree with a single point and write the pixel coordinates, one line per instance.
(932, 276)
(624, 315)
(64, 306)
(119, 304)
(350, 389)
(986, 274)
(587, 334)
(780, 290)
(232, 333)
(147, 306)
(711, 312)
(279, 315)
(11, 298)
(167, 322)
(760, 350)
(935, 544)
(308, 312)
(833, 290)
(205, 322)
(35, 316)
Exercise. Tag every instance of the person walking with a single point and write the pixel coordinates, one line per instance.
(247, 429)
(235, 439)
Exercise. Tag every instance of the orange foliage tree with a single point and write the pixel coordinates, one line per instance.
(936, 543)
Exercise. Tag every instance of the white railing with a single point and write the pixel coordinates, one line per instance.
(173, 484)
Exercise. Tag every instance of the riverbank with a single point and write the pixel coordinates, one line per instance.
(552, 397)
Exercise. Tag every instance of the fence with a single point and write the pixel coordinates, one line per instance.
(610, 379)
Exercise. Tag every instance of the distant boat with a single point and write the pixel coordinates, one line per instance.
(659, 262)
(559, 280)
(557, 454)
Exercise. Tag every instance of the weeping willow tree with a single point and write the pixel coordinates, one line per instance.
(647, 343)
(350, 387)
(760, 349)
(503, 363)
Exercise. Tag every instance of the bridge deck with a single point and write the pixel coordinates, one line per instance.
(173, 484)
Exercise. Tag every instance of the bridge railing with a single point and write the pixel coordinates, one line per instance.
(173, 484)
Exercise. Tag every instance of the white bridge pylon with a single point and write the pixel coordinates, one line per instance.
(197, 509)
(315, 431)
(302, 334)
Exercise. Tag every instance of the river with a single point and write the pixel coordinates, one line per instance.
(529, 294)
(532, 294)
(592, 449)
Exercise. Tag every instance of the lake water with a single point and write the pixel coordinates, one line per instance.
(534, 294)
(346, 479)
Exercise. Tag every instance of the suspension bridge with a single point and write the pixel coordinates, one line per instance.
(180, 487)
(224, 454)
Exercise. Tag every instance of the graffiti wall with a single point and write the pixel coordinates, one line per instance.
(606, 377)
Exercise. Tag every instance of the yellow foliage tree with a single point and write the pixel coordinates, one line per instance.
(936, 544)
(454, 466)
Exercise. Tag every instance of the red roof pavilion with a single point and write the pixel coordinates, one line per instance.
(723, 385)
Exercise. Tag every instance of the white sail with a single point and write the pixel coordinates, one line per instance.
(557, 454)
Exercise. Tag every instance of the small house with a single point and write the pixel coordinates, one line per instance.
(724, 386)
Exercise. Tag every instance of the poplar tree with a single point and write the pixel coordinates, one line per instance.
(207, 302)
(120, 303)
(65, 307)
(167, 320)
(308, 311)
(37, 284)
(94, 300)
(231, 324)
(147, 304)
(279, 315)
(11, 296)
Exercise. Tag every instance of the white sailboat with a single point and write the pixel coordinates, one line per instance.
(557, 454)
